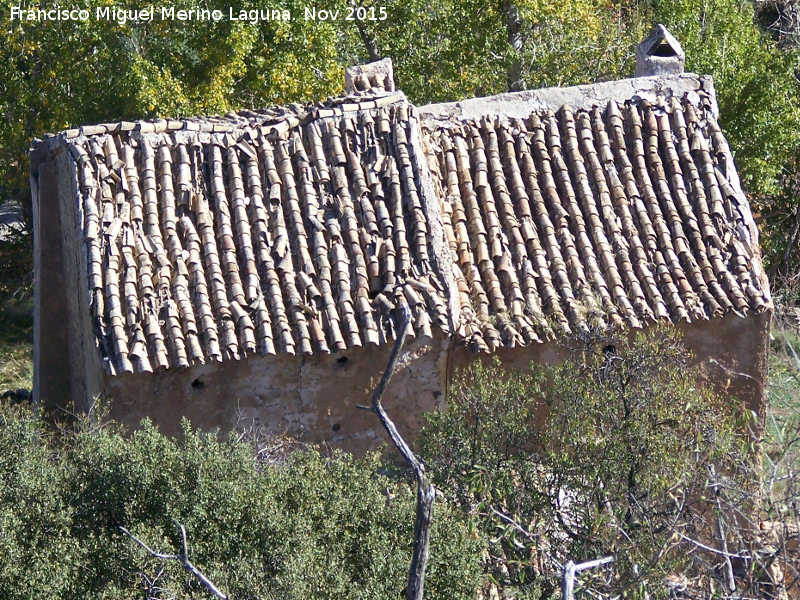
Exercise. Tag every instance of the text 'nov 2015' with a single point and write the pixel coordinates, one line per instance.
(122, 15)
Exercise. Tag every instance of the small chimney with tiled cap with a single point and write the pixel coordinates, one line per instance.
(659, 54)
(376, 76)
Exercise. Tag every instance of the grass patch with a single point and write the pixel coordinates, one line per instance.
(16, 367)
(16, 316)
(783, 410)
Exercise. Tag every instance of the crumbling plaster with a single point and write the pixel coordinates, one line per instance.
(316, 398)
(313, 398)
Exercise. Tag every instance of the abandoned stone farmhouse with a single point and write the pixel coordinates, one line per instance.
(250, 268)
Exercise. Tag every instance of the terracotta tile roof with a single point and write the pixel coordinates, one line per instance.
(302, 229)
(212, 239)
(618, 214)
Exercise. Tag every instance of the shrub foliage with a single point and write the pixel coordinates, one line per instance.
(312, 527)
(611, 453)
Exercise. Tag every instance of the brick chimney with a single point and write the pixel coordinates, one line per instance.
(659, 54)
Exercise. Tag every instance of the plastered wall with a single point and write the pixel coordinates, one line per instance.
(315, 398)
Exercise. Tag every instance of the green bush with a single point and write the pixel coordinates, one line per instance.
(610, 453)
(312, 527)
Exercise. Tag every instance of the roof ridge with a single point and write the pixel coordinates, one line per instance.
(236, 120)
(579, 97)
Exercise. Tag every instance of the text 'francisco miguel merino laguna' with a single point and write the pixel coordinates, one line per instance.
(124, 15)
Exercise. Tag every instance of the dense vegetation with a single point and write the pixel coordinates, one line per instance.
(305, 527)
(634, 459)
(621, 463)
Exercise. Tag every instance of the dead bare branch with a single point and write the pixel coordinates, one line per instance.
(425, 490)
(710, 549)
(182, 557)
(571, 570)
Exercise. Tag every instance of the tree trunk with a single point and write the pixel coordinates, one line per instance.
(370, 43)
(425, 490)
(786, 262)
(513, 24)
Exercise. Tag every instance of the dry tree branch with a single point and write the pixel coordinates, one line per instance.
(571, 570)
(182, 557)
(713, 550)
(504, 517)
(425, 490)
(152, 591)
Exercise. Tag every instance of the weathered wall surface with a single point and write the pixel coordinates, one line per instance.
(67, 369)
(51, 369)
(315, 398)
(733, 352)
